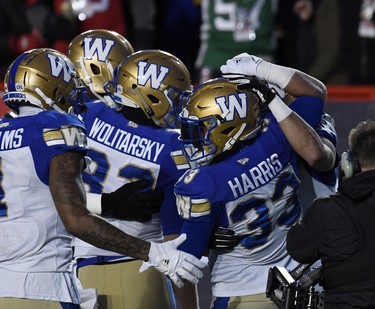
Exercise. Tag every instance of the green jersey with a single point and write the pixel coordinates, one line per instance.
(231, 27)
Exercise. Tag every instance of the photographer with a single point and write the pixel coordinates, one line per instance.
(340, 229)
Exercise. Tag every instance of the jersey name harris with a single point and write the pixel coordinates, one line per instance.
(124, 141)
(257, 176)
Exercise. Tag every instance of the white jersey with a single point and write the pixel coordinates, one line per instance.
(35, 248)
(122, 151)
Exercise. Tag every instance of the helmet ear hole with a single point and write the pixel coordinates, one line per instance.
(94, 69)
(227, 131)
(62, 101)
(153, 99)
(55, 94)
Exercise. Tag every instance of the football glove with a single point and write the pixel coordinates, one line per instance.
(176, 264)
(129, 203)
(242, 64)
(224, 239)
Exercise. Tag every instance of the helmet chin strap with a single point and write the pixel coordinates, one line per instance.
(110, 67)
(48, 100)
(111, 103)
(88, 80)
(148, 109)
(229, 144)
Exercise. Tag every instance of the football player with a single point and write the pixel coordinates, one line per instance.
(256, 193)
(129, 121)
(315, 182)
(43, 202)
(318, 180)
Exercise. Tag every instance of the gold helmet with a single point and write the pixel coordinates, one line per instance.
(42, 77)
(216, 118)
(96, 53)
(155, 81)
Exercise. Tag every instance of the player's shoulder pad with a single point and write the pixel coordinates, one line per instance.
(63, 129)
(54, 119)
(96, 106)
(180, 160)
(192, 195)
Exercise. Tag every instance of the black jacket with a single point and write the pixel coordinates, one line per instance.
(340, 230)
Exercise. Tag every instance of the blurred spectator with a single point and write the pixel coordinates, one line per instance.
(366, 32)
(141, 16)
(232, 27)
(30, 24)
(97, 14)
(179, 30)
(319, 37)
(326, 34)
(350, 51)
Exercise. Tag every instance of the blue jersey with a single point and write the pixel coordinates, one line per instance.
(36, 250)
(254, 193)
(123, 151)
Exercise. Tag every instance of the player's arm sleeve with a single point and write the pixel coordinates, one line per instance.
(309, 109)
(195, 209)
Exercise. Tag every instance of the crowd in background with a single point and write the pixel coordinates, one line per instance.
(330, 39)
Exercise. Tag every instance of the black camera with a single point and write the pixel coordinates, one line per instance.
(295, 289)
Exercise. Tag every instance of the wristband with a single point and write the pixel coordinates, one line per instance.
(279, 109)
(94, 203)
(275, 74)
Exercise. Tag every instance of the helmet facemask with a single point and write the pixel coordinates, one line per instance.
(195, 134)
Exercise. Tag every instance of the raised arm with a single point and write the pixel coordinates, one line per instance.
(302, 137)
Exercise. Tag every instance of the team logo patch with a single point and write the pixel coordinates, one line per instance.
(243, 161)
(19, 87)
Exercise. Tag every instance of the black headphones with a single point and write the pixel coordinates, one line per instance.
(349, 165)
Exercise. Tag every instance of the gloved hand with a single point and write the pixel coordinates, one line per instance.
(242, 64)
(223, 239)
(176, 264)
(260, 88)
(128, 203)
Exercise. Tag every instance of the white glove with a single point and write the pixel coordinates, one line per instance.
(242, 64)
(174, 263)
(245, 65)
